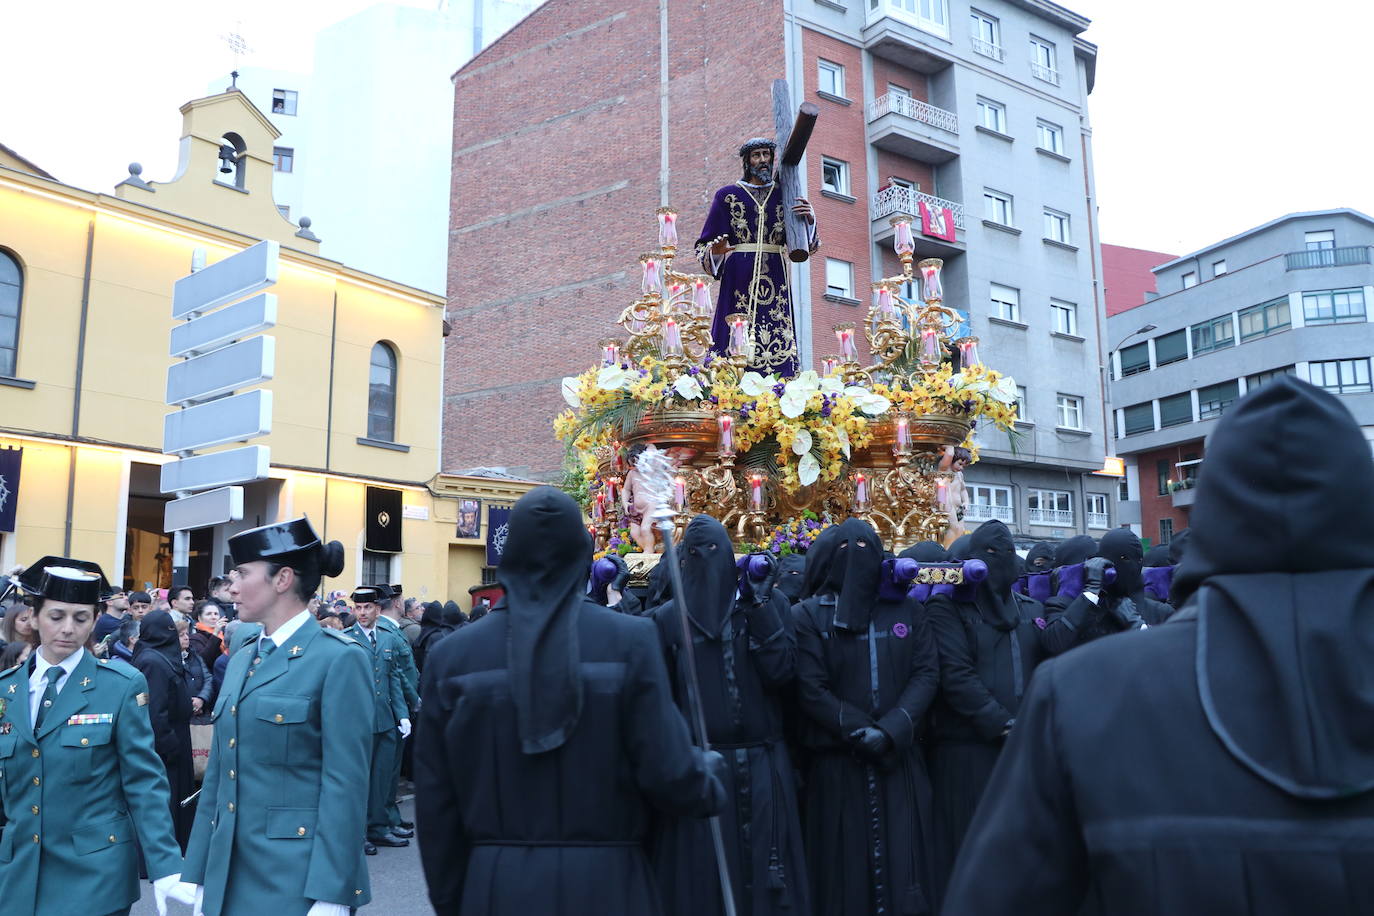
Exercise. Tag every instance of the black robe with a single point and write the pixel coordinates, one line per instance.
(868, 825)
(1072, 622)
(1222, 763)
(169, 711)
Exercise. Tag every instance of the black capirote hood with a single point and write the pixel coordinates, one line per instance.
(960, 548)
(544, 571)
(1074, 550)
(157, 632)
(1157, 555)
(992, 543)
(1280, 571)
(1040, 558)
(818, 559)
(789, 577)
(1122, 546)
(926, 552)
(855, 570)
(709, 576)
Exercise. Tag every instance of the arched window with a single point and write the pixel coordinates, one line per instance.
(233, 160)
(381, 394)
(11, 291)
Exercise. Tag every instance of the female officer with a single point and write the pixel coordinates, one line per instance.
(285, 794)
(72, 733)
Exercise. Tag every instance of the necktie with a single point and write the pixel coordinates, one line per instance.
(373, 637)
(49, 695)
(265, 647)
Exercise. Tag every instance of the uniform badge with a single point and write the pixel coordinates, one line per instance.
(900, 630)
(141, 699)
(5, 727)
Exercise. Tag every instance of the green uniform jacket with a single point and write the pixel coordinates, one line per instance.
(405, 659)
(283, 806)
(76, 794)
(388, 690)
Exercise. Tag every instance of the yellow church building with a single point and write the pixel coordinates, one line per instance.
(85, 314)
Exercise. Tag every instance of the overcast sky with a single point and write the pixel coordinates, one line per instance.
(1209, 116)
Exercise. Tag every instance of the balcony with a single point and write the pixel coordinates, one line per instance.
(912, 128)
(897, 199)
(1098, 520)
(979, 512)
(1326, 257)
(1041, 72)
(986, 48)
(1058, 517)
(1183, 492)
(911, 33)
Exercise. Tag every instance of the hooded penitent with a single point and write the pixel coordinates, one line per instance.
(854, 574)
(1040, 558)
(1123, 548)
(1157, 556)
(926, 552)
(818, 560)
(709, 575)
(1074, 550)
(788, 578)
(1280, 567)
(959, 549)
(544, 572)
(158, 633)
(992, 543)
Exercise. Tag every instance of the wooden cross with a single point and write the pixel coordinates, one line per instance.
(793, 135)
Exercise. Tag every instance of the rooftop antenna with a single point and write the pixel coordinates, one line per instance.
(238, 46)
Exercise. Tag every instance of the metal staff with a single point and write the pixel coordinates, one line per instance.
(656, 470)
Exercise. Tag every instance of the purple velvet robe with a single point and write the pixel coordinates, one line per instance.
(753, 283)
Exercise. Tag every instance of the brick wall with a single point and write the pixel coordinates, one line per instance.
(556, 168)
(1153, 506)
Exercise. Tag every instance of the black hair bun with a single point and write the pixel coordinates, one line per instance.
(331, 558)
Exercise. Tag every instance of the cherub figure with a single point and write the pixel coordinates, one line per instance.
(956, 494)
(635, 506)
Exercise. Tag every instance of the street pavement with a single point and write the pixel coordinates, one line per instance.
(398, 883)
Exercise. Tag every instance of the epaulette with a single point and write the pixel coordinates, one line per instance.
(339, 635)
(117, 666)
(16, 667)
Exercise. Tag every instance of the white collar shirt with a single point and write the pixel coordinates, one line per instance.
(38, 681)
(286, 630)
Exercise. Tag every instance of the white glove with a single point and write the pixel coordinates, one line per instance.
(405, 728)
(200, 898)
(320, 908)
(172, 886)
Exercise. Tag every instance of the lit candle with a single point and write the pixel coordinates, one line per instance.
(653, 283)
(610, 352)
(860, 491)
(679, 493)
(675, 293)
(968, 352)
(903, 433)
(756, 492)
(828, 365)
(672, 338)
(612, 489)
(902, 242)
(930, 276)
(619, 462)
(599, 507)
(885, 302)
(727, 434)
(930, 346)
(848, 351)
(941, 493)
(667, 229)
(701, 299)
(739, 336)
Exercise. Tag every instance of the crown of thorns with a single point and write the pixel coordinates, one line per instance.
(756, 143)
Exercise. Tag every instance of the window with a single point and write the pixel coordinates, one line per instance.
(1260, 378)
(987, 35)
(1140, 418)
(898, 92)
(1176, 409)
(830, 78)
(1049, 137)
(1006, 302)
(11, 291)
(1070, 411)
(284, 103)
(839, 278)
(1171, 347)
(1190, 279)
(1135, 359)
(997, 207)
(283, 158)
(1265, 318)
(1333, 306)
(1044, 65)
(1049, 507)
(1213, 400)
(1323, 240)
(376, 566)
(1065, 315)
(1218, 267)
(1162, 472)
(284, 210)
(1217, 334)
(381, 394)
(1340, 376)
(1097, 510)
(992, 115)
(989, 502)
(1021, 410)
(835, 176)
(1056, 226)
(1166, 530)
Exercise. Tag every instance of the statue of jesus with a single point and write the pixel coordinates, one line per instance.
(742, 245)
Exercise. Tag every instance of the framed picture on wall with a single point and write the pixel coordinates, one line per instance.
(469, 518)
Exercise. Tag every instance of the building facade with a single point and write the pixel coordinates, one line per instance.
(1288, 297)
(85, 314)
(978, 111)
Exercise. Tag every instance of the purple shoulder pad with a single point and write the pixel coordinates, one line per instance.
(1158, 580)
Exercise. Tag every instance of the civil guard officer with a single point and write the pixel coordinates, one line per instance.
(278, 820)
(73, 730)
(393, 606)
(390, 720)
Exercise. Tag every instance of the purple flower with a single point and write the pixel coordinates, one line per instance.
(693, 370)
(710, 358)
(825, 410)
(779, 388)
(715, 399)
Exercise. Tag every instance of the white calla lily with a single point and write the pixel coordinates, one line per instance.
(808, 470)
(831, 385)
(875, 405)
(688, 387)
(613, 378)
(802, 444)
(843, 436)
(570, 385)
(808, 380)
(754, 384)
(793, 403)
(1004, 390)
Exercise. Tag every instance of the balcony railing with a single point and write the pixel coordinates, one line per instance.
(897, 199)
(987, 49)
(1041, 72)
(979, 512)
(1050, 516)
(905, 105)
(1328, 257)
(1098, 520)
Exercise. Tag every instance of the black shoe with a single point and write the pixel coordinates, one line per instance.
(402, 832)
(388, 840)
(408, 825)
(369, 849)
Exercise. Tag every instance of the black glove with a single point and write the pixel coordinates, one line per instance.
(1124, 612)
(871, 742)
(1094, 570)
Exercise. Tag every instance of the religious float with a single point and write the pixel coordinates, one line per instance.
(773, 458)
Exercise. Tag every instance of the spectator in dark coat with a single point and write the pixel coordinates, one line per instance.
(126, 640)
(1222, 763)
(432, 629)
(169, 710)
(199, 681)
